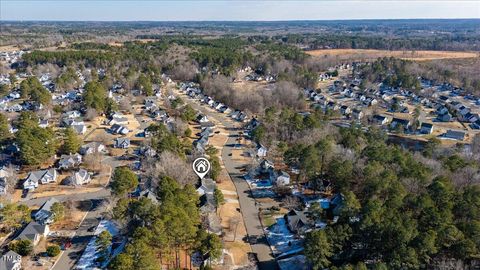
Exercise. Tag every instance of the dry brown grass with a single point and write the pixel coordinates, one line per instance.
(408, 55)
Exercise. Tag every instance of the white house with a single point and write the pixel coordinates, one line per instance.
(69, 161)
(119, 129)
(202, 118)
(117, 118)
(80, 177)
(72, 114)
(282, 179)
(380, 119)
(92, 147)
(44, 215)
(261, 151)
(43, 177)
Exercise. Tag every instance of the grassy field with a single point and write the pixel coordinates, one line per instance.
(409, 55)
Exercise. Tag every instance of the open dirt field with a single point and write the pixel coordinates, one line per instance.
(409, 55)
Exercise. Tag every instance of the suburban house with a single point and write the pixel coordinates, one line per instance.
(471, 117)
(69, 161)
(43, 177)
(34, 231)
(11, 261)
(344, 109)
(149, 195)
(72, 114)
(426, 128)
(446, 117)
(43, 123)
(117, 118)
(281, 178)
(122, 143)
(380, 119)
(261, 151)
(80, 128)
(44, 215)
(298, 222)
(119, 129)
(202, 118)
(207, 187)
(147, 151)
(80, 177)
(405, 123)
(357, 114)
(455, 135)
(266, 165)
(92, 147)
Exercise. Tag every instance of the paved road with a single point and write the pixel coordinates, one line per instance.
(101, 194)
(247, 203)
(82, 236)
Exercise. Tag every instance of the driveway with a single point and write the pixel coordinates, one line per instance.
(69, 257)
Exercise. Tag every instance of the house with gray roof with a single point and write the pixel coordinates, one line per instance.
(454, 135)
(79, 128)
(34, 231)
(426, 128)
(69, 161)
(92, 147)
(80, 177)
(42, 177)
(11, 261)
(119, 129)
(298, 222)
(149, 195)
(207, 186)
(44, 215)
(122, 143)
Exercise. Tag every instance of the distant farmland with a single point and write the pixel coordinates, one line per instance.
(354, 54)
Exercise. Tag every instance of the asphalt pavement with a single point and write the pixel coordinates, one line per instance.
(248, 207)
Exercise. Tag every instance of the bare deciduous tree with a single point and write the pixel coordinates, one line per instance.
(90, 114)
(179, 127)
(185, 71)
(173, 166)
(291, 202)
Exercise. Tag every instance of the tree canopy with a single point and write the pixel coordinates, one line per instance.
(36, 144)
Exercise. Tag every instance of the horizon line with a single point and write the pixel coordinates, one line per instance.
(292, 20)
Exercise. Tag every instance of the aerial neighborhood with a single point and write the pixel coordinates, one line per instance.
(348, 152)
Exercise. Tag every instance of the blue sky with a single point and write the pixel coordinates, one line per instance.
(232, 10)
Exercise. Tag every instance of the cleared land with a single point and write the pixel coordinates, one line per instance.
(409, 55)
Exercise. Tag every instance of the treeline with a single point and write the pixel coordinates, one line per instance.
(67, 58)
(451, 42)
(390, 71)
(397, 214)
(401, 210)
(282, 51)
(90, 46)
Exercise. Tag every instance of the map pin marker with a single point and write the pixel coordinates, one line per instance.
(201, 166)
